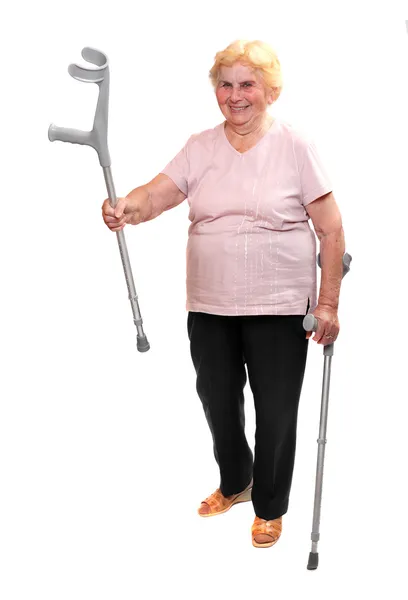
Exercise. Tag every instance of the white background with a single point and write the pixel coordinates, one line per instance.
(105, 453)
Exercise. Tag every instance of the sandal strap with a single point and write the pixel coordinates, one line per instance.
(272, 528)
(216, 501)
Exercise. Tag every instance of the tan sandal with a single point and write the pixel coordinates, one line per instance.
(216, 504)
(267, 532)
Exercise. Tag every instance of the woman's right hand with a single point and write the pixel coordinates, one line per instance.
(132, 210)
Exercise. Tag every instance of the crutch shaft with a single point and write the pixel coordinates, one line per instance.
(321, 452)
(142, 343)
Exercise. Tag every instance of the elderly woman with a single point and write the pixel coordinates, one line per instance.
(252, 183)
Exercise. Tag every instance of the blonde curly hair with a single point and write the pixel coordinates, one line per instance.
(255, 54)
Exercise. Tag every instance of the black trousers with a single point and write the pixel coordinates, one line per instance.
(274, 349)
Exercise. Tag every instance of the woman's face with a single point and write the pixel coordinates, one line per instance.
(242, 96)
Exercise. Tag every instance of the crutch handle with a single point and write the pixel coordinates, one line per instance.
(74, 136)
(310, 323)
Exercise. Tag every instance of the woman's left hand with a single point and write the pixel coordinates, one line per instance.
(329, 325)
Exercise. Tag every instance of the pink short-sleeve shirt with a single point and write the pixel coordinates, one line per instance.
(250, 248)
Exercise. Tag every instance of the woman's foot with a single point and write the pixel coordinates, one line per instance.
(217, 503)
(266, 533)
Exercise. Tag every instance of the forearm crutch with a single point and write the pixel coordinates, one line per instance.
(97, 139)
(310, 323)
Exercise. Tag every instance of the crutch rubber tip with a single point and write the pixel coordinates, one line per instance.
(142, 344)
(313, 561)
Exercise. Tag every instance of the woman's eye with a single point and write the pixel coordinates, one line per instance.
(247, 84)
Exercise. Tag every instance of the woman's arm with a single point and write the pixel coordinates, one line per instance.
(161, 193)
(144, 203)
(327, 222)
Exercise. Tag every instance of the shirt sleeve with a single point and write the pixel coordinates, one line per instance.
(178, 169)
(313, 176)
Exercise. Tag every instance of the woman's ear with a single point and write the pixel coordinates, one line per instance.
(271, 96)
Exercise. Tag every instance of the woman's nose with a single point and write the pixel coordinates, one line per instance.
(235, 93)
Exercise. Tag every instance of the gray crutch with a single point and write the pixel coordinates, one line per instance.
(310, 324)
(97, 139)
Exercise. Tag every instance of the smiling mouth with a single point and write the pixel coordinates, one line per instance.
(238, 108)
